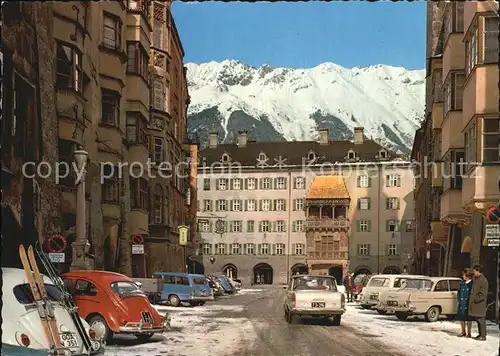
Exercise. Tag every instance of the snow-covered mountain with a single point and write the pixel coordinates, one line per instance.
(292, 104)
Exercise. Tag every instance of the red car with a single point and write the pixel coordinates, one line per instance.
(113, 304)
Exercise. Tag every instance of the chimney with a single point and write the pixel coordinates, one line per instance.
(358, 135)
(323, 136)
(242, 139)
(213, 140)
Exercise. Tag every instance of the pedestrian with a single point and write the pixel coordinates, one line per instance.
(349, 286)
(463, 296)
(477, 301)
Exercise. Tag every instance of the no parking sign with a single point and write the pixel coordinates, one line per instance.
(493, 215)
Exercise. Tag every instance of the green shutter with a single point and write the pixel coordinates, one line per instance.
(294, 227)
(387, 180)
(358, 226)
(397, 225)
(369, 203)
(260, 226)
(387, 226)
(245, 205)
(399, 181)
(294, 202)
(217, 184)
(359, 203)
(246, 183)
(259, 248)
(284, 204)
(273, 249)
(398, 206)
(273, 205)
(286, 183)
(369, 222)
(358, 246)
(260, 205)
(358, 181)
(230, 202)
(284, 226)
(369, 181)
(273, 226)
(261, 183)
(369, 249)
(274, 183)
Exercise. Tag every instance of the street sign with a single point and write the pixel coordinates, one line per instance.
(493, 215)
(57, 257)
(137, 249)
(493, 242)
(183, 235)
(492, 231)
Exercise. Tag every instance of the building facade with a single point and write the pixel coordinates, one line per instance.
(259, 218)
(463, 117)
(119, 91)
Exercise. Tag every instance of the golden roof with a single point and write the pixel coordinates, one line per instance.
(328, 187)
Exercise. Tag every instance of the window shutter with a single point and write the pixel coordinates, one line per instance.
(369, 181)
(230, 250)
(359, 249)
(216, 251)
(387, 249)
(387, 226)
(358, 225)
(294, 202)
(286, 185)
(358, 181)
(230, 202)
(369, 203)
(273, 205)
(294, 226)
(260, 226)
(284, 204)
(231, 226)
(387, 203)
(369, 249)
(259, 249)
(369, 222)
(273, 249)
(273, 226)
(397, 204)
(397, 225)
(399, 181)
(246, 183)
(274, 183)
(387, 180)
(216, 205)
(359, 203)
(260, 205)
(293, 249)
(304, 181)
(284, 226)
(245, 203)
(217, 183)
(261, 183)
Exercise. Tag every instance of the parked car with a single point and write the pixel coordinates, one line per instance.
(314, 296)
(369, 297)
(215, 286)
(224, 282)
(113, 304)
(431, 297)
(22, 325)
(235, 283)
(14, 350)
(184, 288)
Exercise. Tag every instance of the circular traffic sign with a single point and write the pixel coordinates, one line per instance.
(137, 239)
(57, 243)
(493, 215)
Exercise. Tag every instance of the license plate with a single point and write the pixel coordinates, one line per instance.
(392, 302)
(317, 305)
(69, 340)
(373, 297)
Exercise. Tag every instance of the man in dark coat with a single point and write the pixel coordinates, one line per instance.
(477, 301)
(349, 286)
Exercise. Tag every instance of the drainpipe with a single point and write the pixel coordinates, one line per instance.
(289, 227)
(378, 215)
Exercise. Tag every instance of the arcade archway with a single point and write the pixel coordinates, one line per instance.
(230, 271)
(391, 270)
(337, 272)
(263, 274)
(362, 270)
(195, 267)
(299, 268)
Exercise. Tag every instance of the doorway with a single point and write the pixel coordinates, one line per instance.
(391, 270)
(299, 268)
(195, 267)
(337, 272)
(230, 271)
(263, 274)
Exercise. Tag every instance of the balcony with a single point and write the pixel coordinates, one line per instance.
(451, 204)
(330, 224)
(327, 255)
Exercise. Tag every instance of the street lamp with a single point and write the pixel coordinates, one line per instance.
(81, 245)
(212, 259)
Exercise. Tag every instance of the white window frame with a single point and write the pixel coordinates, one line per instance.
(236, 226)
(299, 226)
(299, 249)
(494, 40)
(264, 249)
(471, 51)
(266, 183)
(221, 249)
(364, 203)
(394, 179)
(363, 181)
(235, 249)
(363, 225)
(207, 249)
(394, 223)
(392, 250)
(280, 183)
(250, 249)
(204, 226)
(493, 134)
(251, 183)
(236, 205)
(266, 226)
(300, 183)
(223, 184)
(280, 204)
(266, 205)
(280, 226)
(221, 205)
(364, 250)
(252, 223)
(299, 204)
(237, 184)
(251, 205)
(207, 205)
(280, 249)
(393, 203)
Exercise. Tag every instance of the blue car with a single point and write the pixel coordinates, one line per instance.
(228, 288)
(184, 288)
(14, 350)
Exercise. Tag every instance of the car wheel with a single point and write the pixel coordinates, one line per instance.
(201, 303)
(381, 312)
(336, 320)
(174, 300)
(101, 328)
(366, 306)
(432, 314)
(194, 304)
(144, 337)
(401, 316)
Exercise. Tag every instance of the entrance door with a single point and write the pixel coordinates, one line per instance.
(263, 274)
(337, 272)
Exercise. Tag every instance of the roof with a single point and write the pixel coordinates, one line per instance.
(328, 187)
(13, 276)
(101, 275)
(294, 152)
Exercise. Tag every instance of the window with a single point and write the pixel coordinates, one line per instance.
(363, 250)
(441, 286)
(125, 288)
(453, 92)
(392, 204)
(264, 249)
(111, 184)
(363, 181)
(471, 145)
(262, 157)
(280, 249)
(136, 127)
(364, 203)
(221, 205)
(220, 249)
(207, 205)
(491, 40)
(159, 25)
(112, 32)
(236, 205)
(206, 183)
(85, 288)
(225, 157)
(159, 95)
(392, 250)
(265, 205)
(298, 226)
(141, 6)
(393, 180)
(383, 154)
(110, 111)
(265, 183)
(454, 285)
(204, 226)
(299, 249)
(207, 249)
(491, 138)
(139, 196)
(392, 225)
(363, 225)
(280, 205)
(250, 249)
(138, 59)
(280, 226)
(410, 225)
(236, 184)
(351, 155)
(378, 282)
(21, 117)
(311, 156)
(298, 204)
(280, 183)
(251, 204)
(453, 169)
(222, 184)
(300, 183)
(250, 226)
(158, 205)
(158, 150)
(235, 249)
(471, 51)
(251, 183)
(69, 68)
(264, 226)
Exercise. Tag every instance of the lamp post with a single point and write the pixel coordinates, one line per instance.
(428, 257)
(81, 245)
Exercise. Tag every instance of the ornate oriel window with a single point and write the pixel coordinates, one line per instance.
(158, 205)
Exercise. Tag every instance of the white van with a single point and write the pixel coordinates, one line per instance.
(381, 283)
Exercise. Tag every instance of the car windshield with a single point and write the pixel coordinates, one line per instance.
(125, 288)
(421, 284)
(314, 283)
(200, 281)
(23, 294)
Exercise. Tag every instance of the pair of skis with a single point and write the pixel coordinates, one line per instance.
(41, 299)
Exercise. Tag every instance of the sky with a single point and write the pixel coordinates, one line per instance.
(304, 34)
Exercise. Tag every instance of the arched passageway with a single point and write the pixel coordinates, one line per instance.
(391, 270)
(230, 271)
(299, 268)
(338, 273)
(195, 267)
(362, 270)
(263, 274)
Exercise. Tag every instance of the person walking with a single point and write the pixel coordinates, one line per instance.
(477, 301)
(349, 286)
(463, 296)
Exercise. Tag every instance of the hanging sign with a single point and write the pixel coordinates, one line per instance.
(220, 227)
(57, 257)
(137, 239)
(183, 235)
(138, 249)
(57, 243)
(492, 235)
